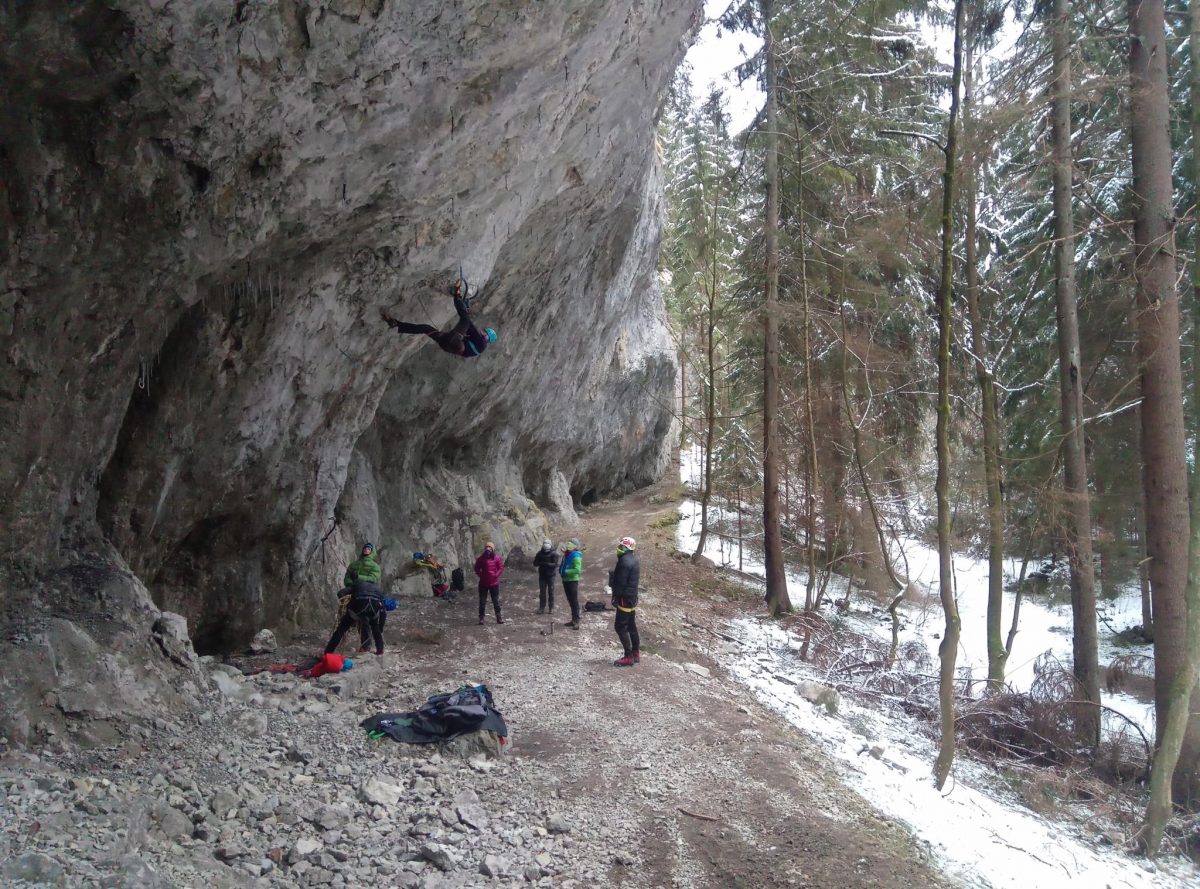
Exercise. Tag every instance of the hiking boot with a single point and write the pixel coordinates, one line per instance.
(363, 649)
(499, 620)
(637, 657)
(378, 652)
(626, 661)
(481, 621)
(541, 611)
(573, 624)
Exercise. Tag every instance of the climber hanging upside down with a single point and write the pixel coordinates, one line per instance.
(463, 339)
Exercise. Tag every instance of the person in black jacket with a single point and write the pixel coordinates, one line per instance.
(365, 607)
(546, 562)
(623, 580)
(464, 339)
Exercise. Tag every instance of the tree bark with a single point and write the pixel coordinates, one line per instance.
(1144, 562)
(997, 653)
(710, 404)
(1075, 481)
(948, 650)
(810, 464)
(682, 393)
(1164, 465)
(778, 600)
(1170, 740)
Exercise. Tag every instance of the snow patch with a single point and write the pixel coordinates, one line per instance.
(1044, 626)
(977, 830)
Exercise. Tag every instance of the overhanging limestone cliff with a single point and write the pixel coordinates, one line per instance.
(205, 204)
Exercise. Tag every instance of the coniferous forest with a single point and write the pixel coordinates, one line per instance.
(943, 288)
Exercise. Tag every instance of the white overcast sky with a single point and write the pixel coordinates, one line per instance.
(713, 59)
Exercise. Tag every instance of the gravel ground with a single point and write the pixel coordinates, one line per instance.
(665, 774)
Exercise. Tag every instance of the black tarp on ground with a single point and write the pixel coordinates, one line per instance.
(441, 718)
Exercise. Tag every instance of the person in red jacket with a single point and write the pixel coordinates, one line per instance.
(488, 568)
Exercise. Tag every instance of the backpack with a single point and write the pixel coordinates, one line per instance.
(437, 576)
(458, 580)
(589, 605)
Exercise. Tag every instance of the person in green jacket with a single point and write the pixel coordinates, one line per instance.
(365, 568)
(570, 571)
(364, 601)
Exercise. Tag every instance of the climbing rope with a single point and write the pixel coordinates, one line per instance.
(321, 545)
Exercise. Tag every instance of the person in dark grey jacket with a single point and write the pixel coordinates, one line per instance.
(623, 580)
(546, 562)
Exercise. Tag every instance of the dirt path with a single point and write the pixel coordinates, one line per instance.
(667, 774)
(644, 744)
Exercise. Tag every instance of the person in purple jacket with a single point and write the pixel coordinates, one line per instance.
(464, 339)
(488, 568)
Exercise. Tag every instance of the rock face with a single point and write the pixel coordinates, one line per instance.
(204, 205)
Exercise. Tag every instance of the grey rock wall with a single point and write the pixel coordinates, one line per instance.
(203, 206)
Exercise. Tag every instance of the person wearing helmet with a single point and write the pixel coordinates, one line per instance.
(365, 568)
(488, 568)
(464, 339)
(623, 581)
(364, 605)
(546, 562)
(570, 571)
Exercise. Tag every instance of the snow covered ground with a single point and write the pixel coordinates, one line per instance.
(979, 830)
(1044, 626)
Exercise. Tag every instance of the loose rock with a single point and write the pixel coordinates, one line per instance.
(380, 793)
(263, 641)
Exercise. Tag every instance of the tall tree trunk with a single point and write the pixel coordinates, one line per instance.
(948, 650)
(710, 404)
(1079, 524)
(682, 393)
(1143, 567)
(884, 553)
(710, 431)
(1170, 740)
(1173, 731)
(810, 463)
(778, 600)
(1143, 570)
(741, 539)
(1020, 593)
(997, 653)
(1164, 464)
